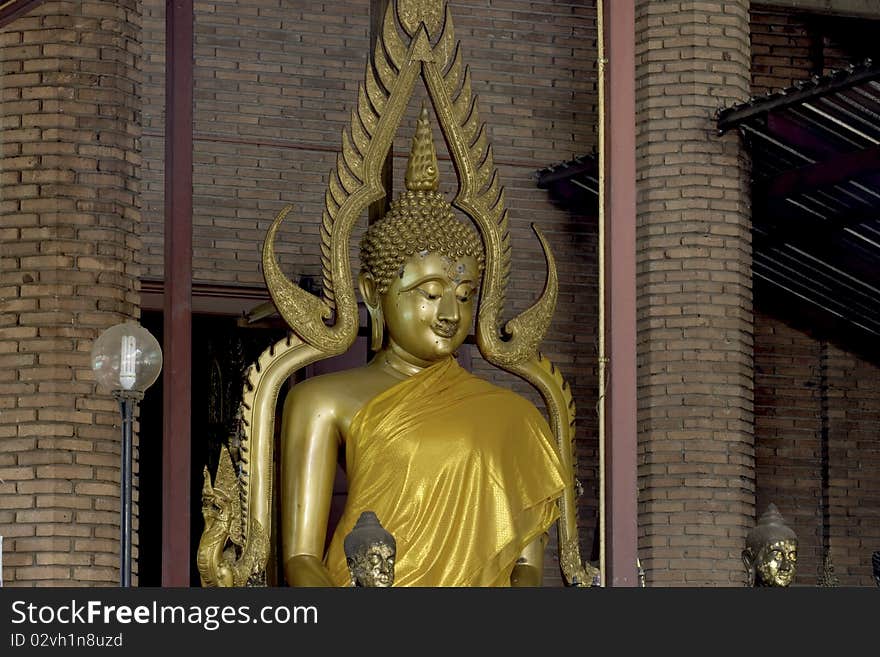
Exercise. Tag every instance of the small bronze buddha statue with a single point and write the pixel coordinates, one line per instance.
(770, 556)
(370, 553)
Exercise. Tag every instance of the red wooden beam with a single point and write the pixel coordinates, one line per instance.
(619, 161)
(177, 379)
(834, 170)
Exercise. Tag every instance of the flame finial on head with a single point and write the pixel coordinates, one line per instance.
(770, 527)
(421, 171)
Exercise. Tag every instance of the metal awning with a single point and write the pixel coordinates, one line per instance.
(12, 9)
(815, 151)
(574, 184)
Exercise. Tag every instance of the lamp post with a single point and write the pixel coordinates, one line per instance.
(126, 359)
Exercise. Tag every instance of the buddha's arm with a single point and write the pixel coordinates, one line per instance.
(529, 568)
(309, 447)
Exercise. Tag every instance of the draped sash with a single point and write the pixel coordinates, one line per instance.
(463, 474)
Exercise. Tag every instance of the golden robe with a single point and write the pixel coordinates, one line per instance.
(463, 474)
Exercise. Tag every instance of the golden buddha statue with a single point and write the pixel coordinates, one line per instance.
(463, 474)
(466, 476)
(770, 556)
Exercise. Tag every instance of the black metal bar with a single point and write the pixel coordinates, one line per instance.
(126, 405)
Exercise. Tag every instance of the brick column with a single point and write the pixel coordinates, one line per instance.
(68, 254)
(696, 446)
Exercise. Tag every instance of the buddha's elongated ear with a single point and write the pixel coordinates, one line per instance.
(368, 288)
(370, 294)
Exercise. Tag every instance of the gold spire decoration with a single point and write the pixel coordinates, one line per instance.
(421, 171)
(413, 13)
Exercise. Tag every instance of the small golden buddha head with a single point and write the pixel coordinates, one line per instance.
(420, 266)
(370, 551)
(770, 556)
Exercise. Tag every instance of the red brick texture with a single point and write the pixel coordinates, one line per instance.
(853, 389)
(809, 392)
(68, 269)
(788, 47)
(788, 433)
(816, 403)
(696, 453)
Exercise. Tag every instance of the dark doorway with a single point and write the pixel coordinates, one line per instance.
(223, 348)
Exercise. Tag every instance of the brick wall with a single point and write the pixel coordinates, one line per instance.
(268, 117)
(68, 269)
(790, 46)
(854, 463)
(696, 478)
(783, 50)
(815, 402)
(809, 391)
(788, 434)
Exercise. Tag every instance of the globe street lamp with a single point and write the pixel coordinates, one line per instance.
(126, 359)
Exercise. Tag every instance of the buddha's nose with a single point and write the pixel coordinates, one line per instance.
(448, 309)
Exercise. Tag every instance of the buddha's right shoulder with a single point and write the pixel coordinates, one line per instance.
(327, 385)
(335, 397)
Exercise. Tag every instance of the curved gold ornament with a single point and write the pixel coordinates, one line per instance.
(251, 490)
(556, 392)
(326, 326)
(222, 514)
(220, 559)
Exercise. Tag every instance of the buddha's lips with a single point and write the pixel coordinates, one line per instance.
(445, 329)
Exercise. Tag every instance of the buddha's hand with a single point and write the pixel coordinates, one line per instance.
(307, 570)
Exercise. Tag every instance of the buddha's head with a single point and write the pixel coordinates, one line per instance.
(770, 556)
(420, 266)
(370, 551)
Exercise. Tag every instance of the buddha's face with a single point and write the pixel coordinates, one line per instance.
(374, 567)
(429, 307)
(775, 563)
